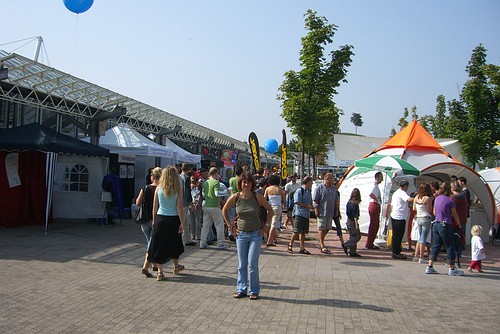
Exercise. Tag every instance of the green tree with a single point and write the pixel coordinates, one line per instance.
(357, 121)
(457, 120)
(402, 121)
(482, 108)
(439, 121)
(426, 122)
(294, 145)
(307, 96)
(492, 160)
(414, 115)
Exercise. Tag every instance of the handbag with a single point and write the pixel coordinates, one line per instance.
(143, 215)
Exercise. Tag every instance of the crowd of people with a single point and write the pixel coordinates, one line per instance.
(437, 217)
(189, 208)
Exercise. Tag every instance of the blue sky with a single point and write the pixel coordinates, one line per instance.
(220, 63)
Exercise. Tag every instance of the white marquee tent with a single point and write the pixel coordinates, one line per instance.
(181, 155)
(416, 146)
(124, 140)
(492, 178)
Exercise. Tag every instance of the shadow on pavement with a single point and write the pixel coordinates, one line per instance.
(365, 264)
(340, 303)
(188, 277)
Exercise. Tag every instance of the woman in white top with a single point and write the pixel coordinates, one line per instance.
(423, 217)
(276, 198)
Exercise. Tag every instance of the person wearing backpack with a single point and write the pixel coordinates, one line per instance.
(301, 213)
(290, 189)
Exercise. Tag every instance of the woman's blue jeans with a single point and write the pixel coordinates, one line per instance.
(248, 246)
(442, 233)
(147, 229)
(424, 227)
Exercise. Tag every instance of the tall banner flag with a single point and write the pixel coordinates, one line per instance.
(254, 149)
(284, 171)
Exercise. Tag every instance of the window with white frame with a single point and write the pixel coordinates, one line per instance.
(77, 178)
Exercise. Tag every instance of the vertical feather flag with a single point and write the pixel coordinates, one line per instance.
(284, 171)
(254, 149)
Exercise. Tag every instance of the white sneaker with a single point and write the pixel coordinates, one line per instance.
(415, 259)
(223, 246)
(455, 272)
(422, 261)
(430, 270)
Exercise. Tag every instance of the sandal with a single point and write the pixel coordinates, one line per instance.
(177, 269)
(290, 249)
(254, 297)
(239, 295)
(304, 251)
(160, 276)
(325, 250)
(147, 273)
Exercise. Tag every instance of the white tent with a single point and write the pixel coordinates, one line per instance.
(492, 178)
(132, 147)
(78, 204)
(181, 155)
(27, 189)
(416, 146)
(124, 140)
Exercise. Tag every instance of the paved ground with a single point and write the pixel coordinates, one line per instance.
(83, 278)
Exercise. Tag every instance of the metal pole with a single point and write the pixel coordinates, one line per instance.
(38, 47)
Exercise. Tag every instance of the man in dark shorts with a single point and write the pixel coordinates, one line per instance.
(301, 214)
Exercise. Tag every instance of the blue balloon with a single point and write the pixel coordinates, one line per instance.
(271, 145)
(78, 6)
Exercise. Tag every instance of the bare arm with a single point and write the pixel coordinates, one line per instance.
(155, 205)
(180, 212)
(138, 200)
(337, 209)
(225, 210)
(262, 201)
(454, 214)
(429, 205)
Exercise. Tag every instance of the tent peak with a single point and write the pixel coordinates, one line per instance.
(413, 135)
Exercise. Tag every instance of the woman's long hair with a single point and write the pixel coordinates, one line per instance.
(355, 196)
(169, 181)
(445, 189)
(424, 190)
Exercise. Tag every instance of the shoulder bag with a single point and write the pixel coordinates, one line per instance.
(144, 213)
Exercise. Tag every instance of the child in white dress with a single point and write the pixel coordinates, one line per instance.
(477, 249)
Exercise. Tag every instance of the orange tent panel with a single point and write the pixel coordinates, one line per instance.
(414, 135)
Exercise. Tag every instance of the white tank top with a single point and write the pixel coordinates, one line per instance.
(422, 210)
(274, 200)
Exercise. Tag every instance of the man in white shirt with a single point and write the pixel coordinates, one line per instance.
(399, 213)
(290, 189)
